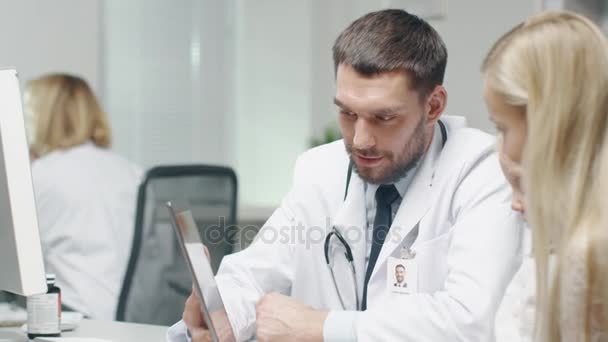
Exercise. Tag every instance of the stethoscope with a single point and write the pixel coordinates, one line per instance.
(349, 257)
(348, 254)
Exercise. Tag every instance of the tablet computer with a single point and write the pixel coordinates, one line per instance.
(205, 286)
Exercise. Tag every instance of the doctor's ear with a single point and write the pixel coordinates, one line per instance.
(435, 103)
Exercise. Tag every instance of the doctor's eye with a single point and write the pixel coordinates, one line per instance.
(385, 118)
(348, 114)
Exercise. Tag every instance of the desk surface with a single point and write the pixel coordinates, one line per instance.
(112, 331)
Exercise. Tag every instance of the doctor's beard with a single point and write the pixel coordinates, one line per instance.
(399, 166)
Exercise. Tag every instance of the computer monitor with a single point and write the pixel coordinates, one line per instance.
(21, 263)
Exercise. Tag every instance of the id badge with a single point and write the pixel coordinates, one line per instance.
(402, 275)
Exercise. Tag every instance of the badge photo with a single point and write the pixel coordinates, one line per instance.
(402, 275)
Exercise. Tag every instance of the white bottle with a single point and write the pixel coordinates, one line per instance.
(44, 312)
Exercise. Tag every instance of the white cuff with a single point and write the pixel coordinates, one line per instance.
(178, 333)
(339, 326)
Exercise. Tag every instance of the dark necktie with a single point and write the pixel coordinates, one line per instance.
(385, 196)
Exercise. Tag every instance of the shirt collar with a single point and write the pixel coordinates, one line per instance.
(401, 184)
(405, 182)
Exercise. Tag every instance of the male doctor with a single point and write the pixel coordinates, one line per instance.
(402, 187)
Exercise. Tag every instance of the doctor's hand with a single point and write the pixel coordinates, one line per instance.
(282, 318)
(193, 318)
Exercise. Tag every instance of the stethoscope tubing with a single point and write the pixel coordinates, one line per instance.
(349, 257)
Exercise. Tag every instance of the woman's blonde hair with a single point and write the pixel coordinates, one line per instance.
(66, 114)
(554, 66)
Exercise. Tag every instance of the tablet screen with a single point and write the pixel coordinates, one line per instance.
(212, 306)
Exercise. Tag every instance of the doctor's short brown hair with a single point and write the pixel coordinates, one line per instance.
(391, 40)
(66, 113)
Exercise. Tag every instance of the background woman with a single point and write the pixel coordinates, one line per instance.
(85, 194)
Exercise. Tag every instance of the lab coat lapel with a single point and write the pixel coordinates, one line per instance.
(415, 203)
(350, 221)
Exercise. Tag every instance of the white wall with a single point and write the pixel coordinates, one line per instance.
(38, 36)
(273, 92)
(168, 88)
(469, 30)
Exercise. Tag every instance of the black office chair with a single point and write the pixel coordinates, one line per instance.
(157, 281)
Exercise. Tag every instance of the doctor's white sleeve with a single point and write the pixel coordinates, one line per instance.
(263, 267)
(484, 253)
(340, 326)
(178, 333)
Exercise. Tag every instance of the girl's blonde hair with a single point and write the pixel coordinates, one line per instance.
(554, 66)
(66, 114)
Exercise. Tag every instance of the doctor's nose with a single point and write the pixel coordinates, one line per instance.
(363, 138)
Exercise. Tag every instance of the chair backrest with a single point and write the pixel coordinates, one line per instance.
(157, 281)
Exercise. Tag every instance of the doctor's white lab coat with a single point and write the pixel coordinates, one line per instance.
(467, 250)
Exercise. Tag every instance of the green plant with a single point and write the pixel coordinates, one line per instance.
(331, 133)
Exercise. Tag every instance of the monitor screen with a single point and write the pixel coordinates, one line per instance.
(21, 263)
